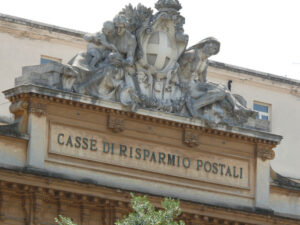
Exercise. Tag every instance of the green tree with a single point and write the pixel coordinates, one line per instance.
(61, 220)
(146, 214)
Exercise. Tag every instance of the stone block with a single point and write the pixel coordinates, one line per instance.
(44, 68)
(257, 124)
(48, 75)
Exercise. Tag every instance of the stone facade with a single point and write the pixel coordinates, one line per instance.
(281, 95)
(87, 133)
(24, 42)
(82, 160)
(254, 86)
(39, 199)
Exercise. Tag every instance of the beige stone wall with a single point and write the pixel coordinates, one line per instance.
(54, 126)
(23, 46)
(285, 201)
(13, 151)
(31, 199)
(285, 116)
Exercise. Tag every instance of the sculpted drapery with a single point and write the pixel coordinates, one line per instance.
(141, 59)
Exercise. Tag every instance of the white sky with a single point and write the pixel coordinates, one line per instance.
(263, 35)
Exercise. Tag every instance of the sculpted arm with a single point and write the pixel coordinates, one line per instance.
(132, 44)
(202, 70)
(99, 39)
(91, 37)
(102, 40)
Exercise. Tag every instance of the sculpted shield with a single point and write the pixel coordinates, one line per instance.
(159, 45)
(159, 50)
(140, 60)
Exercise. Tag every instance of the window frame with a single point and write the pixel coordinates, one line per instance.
(50, 59)
(261, 113)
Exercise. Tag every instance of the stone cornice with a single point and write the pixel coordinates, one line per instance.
(61, 190)
(39, 25)
(254, 73)
(286, 183)
(91, 103)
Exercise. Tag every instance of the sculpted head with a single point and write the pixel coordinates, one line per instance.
(120, 22)
(108, 28)
(208, 47)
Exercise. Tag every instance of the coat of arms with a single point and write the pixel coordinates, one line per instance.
(141, 60)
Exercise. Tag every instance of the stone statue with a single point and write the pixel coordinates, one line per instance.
(99, 47)
(141, 60)
(124, 41)
(200, 94)
(203, 94)
(109, 55)
(108, 79)
(194, 62)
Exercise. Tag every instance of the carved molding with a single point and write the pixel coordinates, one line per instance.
(37, 208)
(61, 207)
(38, 109)
(26, 208)
(111, 208)
(20, 111)
(84, 213)
(116, 124)
(18, 107)
(2, 203)
(265, 152)
(191, 138)
(126, 114)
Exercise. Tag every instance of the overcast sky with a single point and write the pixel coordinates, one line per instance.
(263, 35)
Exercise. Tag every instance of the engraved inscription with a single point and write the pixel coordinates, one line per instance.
(103, 148)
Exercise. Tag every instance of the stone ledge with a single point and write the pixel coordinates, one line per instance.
(90, 102)
(285, 182)
(254, 73)
(39, 25)
(11, 130)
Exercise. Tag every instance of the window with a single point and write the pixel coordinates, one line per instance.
(263, 110)
(48, 59)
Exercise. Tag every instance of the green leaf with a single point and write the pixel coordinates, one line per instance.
(61, 220)
(146, 214)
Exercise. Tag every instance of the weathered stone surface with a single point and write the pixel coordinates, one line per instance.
(12, 130)
(140, 59)
(104, 148)
(45, 75)
(89, 100)
(5, 120)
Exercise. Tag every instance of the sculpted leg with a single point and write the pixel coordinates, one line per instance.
(209, 98)
(83, 88)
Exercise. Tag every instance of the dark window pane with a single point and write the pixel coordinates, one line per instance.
(263, 117)
(260, 108)
(45, 61)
